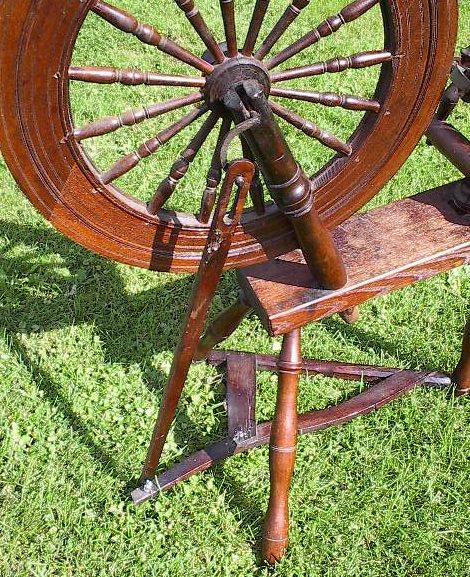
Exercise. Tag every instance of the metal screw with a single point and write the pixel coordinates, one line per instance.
(149, 486)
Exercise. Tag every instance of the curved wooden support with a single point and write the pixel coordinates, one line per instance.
(282, 449)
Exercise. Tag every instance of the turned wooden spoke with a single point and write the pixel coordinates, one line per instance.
(197, 21)
(180, 167)
(228, 16)
(328, 99)
(311, 129)
(125, 22)
(256, 187)
(255, 25)
(130, 77)
(338, 64)
(130, 161)
(327, 27)
(130, 117)
(214, 175)
(289, 15)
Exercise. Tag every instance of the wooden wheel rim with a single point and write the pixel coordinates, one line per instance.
(52, 171)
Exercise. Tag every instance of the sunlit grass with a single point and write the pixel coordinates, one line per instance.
(86, 345)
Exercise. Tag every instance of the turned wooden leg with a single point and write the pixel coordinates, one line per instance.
(282, 449)
(222, 327)
(461, 374)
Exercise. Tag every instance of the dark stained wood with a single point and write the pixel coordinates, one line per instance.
(337, 369)
(240, 396)
(125, 22)
(328, 99)
(166, 188)
(282, 449)
(367, 401)
(286, 19)
(311, 129)
(256, 21)
(149, 147)
(256, 188)
(131, 77)
(222, 327)
(451, 143)
(290, 188)
(197, 21)
(214, 174)
(109, 124)
(205, 284)
(349, 13)
(228, 15)
(436, 236)
(461, 374)
(334, 65)
(58, 178)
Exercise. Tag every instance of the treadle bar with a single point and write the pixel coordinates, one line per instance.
(346, 371)
(374, 397)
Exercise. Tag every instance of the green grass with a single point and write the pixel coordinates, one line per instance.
(85, 347)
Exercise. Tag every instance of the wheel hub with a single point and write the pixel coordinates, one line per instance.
(231, 74)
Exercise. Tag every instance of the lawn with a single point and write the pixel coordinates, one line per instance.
(86, 345)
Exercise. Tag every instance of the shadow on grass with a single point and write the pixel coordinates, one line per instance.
(128, 325)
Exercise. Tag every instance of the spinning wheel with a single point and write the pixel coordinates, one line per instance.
(242, 84)
(44, 149)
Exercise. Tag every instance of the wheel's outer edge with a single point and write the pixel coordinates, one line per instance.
(37, 37)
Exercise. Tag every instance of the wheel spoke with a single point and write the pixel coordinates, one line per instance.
(130, 161)
(125, 22)
(197, 22)
(214, 174)
(338, 64)
(329, 99)
(311, 129)
(332, 24)
(290, 14)
(131, 117)
(228, 16)
(130, 77)
(256, 187)
(255, 25)
(180, 167)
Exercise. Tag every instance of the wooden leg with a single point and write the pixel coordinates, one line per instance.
(282, 449)
(461, 375)
(222, 327)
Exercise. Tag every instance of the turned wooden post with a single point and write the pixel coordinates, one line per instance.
(222, 327)
(461, 374)
(282, 448)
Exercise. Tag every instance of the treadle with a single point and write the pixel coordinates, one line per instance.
(385, 385)
(383, 249)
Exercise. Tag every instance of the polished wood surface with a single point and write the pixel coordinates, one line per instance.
(392, 383)
(436, 236)
(282, 449)
(36, 133)
(239, 173)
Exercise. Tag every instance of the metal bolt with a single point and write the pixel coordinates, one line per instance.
(149, 486)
